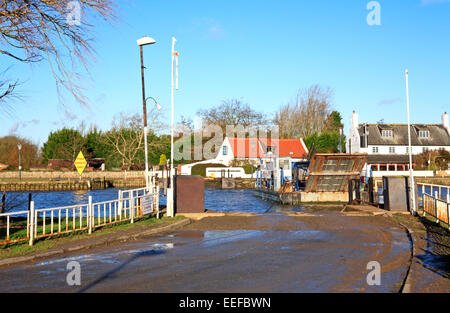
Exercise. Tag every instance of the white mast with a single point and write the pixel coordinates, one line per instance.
(411, 171)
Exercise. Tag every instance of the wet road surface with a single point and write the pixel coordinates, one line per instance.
(262, 253)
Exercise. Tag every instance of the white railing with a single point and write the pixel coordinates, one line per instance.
(14, 221)
(48, 222)
(443, 192)
(68, 219)
(439, 209)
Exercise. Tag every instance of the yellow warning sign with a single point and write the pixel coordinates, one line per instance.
(80, 163)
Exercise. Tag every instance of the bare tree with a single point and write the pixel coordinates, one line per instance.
(56, 30)
(185, 126)
(307, 115)
(126, 136)
(232, 113)
(7, 90)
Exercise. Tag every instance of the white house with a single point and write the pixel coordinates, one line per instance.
(387, 144)
(255, 150)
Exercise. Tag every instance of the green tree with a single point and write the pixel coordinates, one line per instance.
(334, 122)
(325, 143)
(63, 144)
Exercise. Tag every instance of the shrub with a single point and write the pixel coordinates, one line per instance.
(200, 169)
(249, 169)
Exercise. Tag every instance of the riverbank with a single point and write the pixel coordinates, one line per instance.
(69, 184)
(241, 183)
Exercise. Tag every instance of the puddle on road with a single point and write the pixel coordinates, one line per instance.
(217, 237)
(111, 258)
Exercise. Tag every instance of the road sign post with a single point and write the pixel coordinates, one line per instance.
(80, 163)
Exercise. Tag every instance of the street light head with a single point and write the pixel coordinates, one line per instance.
(146, 41)
(157, 105)
(19, 146)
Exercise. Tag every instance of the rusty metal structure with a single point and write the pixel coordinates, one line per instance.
(332, 172)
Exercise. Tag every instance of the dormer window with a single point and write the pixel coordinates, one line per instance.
(387, 133)
(424, 134)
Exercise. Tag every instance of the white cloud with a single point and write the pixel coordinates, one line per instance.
(14, 129)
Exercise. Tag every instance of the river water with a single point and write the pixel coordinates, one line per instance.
(233, 200)
(236, 200)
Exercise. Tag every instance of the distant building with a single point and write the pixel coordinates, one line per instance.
(387, 144)
(68, 165)
(254, 150)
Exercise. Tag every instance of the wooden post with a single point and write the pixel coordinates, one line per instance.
(29, 201)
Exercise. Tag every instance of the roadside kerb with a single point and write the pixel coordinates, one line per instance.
(26, 258)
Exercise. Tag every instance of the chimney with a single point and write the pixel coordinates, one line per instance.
(445, 121)
(355, 123)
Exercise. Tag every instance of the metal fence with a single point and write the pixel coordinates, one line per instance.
(443, 192)
(438, 208)
(39, 223)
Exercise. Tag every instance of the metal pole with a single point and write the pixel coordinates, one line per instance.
(90, 215)
(20, 163)
(411, 171)
(144, 105)
(170, 212)
(32, 222)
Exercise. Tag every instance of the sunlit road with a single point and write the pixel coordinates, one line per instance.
(269, 253)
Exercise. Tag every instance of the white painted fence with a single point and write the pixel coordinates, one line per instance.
(379, 174)
(234, 172)
(48, 222)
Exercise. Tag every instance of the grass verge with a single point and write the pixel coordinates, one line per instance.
(61, 240)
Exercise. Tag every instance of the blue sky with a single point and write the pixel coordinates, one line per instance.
(259, 51)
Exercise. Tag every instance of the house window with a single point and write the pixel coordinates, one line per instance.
(386, 133)
(225, 150)
(424, 134)
(424, 149)
(407, 150)
(374, 149)
(391, 149)
(270, 149)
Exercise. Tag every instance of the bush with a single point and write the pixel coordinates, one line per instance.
(200, 169)
(249, 169)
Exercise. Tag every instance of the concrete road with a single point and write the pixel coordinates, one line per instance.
(264, 253)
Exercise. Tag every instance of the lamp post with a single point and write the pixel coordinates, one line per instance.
(143, 42)
(411, 172)
(19, 146)
(170, 195)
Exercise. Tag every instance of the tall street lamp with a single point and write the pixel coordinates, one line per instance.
(411, 171)
(170, 195)
(19, 146)
(143, 42)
